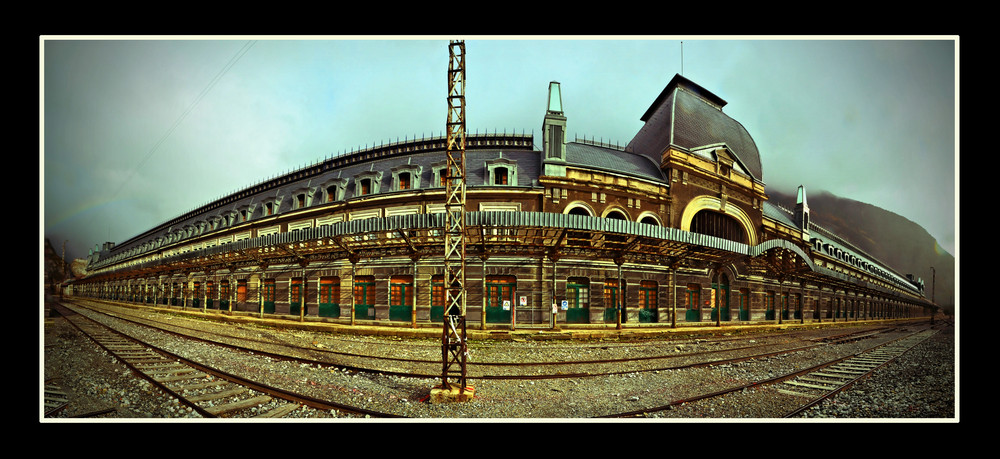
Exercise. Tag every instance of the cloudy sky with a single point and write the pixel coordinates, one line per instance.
(136, 131)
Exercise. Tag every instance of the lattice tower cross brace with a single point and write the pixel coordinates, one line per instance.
(454, 349)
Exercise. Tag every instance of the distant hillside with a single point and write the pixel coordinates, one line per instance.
(892, 239)
(53, 266)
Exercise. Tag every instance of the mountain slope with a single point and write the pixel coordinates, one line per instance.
(900, 243)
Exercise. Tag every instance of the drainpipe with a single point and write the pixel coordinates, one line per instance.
(302, 297)
(413, 315)
(354, 274)
(482, 316)
(621, 297)
(555, 311)
(673, 292)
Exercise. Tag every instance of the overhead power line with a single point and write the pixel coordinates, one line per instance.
(208, 88)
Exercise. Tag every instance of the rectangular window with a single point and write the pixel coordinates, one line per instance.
(404, 181)
(241, 291)
(300, 200)
(366, 186)
(500, 176)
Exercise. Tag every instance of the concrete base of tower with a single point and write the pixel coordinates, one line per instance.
(452, 393)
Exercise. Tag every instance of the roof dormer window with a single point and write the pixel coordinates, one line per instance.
(334, 190)
(302, 197)
(272, 206)
(406, 177)
(439, 174)
(501, 172)
(367, 183)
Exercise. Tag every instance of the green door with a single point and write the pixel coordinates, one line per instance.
(224, 296)
(210, 297)
(499, 299)
(364, 296)
(267, 296)
(647, 302)
(577, 295)
(722, 299)
(401, 299)
(693, 312)
(329, 297)
(611, 302)
(437, 299)
(296, 299)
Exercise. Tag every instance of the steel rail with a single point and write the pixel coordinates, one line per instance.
(255, 385)
(562, 375)
(764, 382)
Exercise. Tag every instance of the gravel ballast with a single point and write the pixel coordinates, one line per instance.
(918, 386)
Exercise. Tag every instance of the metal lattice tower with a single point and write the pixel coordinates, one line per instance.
(454, 349)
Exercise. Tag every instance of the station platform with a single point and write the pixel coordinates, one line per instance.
(474, 331)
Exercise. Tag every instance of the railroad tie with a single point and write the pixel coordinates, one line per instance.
(201, 385)
(242, 404)
(280, 411)
(186, 376)
(810, 385)
(217, 395)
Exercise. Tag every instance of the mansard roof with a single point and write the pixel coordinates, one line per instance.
(688, 116)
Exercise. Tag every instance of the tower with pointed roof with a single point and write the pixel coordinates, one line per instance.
(554, 134)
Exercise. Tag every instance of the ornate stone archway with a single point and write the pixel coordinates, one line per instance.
(714, 204)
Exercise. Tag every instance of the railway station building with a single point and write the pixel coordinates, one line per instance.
(673, 228)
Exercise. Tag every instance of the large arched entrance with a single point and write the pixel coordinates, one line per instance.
(709, 215)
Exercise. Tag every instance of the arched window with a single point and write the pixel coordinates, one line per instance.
(718, 225)
(616, 215)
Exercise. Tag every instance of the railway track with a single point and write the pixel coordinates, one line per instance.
(209, 392)
(816, 383)
(55, 399)
(479, 369)
(567, 369)
(826, 382)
